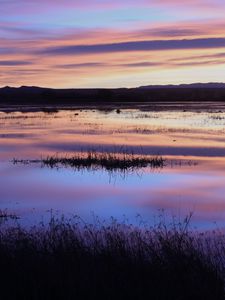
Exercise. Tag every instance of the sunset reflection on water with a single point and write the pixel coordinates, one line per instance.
(193, 179)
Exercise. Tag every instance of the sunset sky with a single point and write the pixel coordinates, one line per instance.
(119, 43)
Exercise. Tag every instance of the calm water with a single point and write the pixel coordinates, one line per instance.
(193, 179)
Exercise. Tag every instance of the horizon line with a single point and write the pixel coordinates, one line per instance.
(122, 87)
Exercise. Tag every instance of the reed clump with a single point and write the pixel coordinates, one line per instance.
(98, 160)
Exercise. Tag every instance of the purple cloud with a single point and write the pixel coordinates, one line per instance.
(157, 45)
(81, 65)
(14, 63)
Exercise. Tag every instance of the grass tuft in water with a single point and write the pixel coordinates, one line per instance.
(96, 160)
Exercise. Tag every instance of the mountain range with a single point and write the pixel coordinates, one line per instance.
(26, 95)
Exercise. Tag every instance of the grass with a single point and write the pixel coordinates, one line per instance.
(5, 216)
(74, 260)
(217, 117)
(97, 160)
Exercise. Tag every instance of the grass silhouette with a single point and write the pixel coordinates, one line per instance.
(98, 160)
(74, 260)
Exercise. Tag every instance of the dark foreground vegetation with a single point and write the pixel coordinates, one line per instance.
(73, 260)
(96, 160)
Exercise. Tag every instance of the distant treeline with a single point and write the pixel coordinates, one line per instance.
(40, 96)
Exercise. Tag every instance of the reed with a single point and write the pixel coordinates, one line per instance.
(69, 259)
(98, 160)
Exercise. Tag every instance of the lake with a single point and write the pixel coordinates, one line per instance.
(192, 142)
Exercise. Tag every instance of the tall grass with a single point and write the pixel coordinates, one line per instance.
(74, 260)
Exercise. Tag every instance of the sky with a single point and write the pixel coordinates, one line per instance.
(105, 43)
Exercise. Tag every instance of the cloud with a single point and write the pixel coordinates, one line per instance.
(172, 32)
(81, 65)
(7, 50)
(171, 64)
(200, 63)
(10, 63)
(155, 45)
(142, 64)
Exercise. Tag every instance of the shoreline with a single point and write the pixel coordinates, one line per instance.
(106, 106)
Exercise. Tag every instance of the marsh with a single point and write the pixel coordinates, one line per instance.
(191, 142)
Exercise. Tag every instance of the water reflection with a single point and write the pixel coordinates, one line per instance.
(31, 190)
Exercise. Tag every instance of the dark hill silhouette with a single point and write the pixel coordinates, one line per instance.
(210, 85)
(26, 95)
